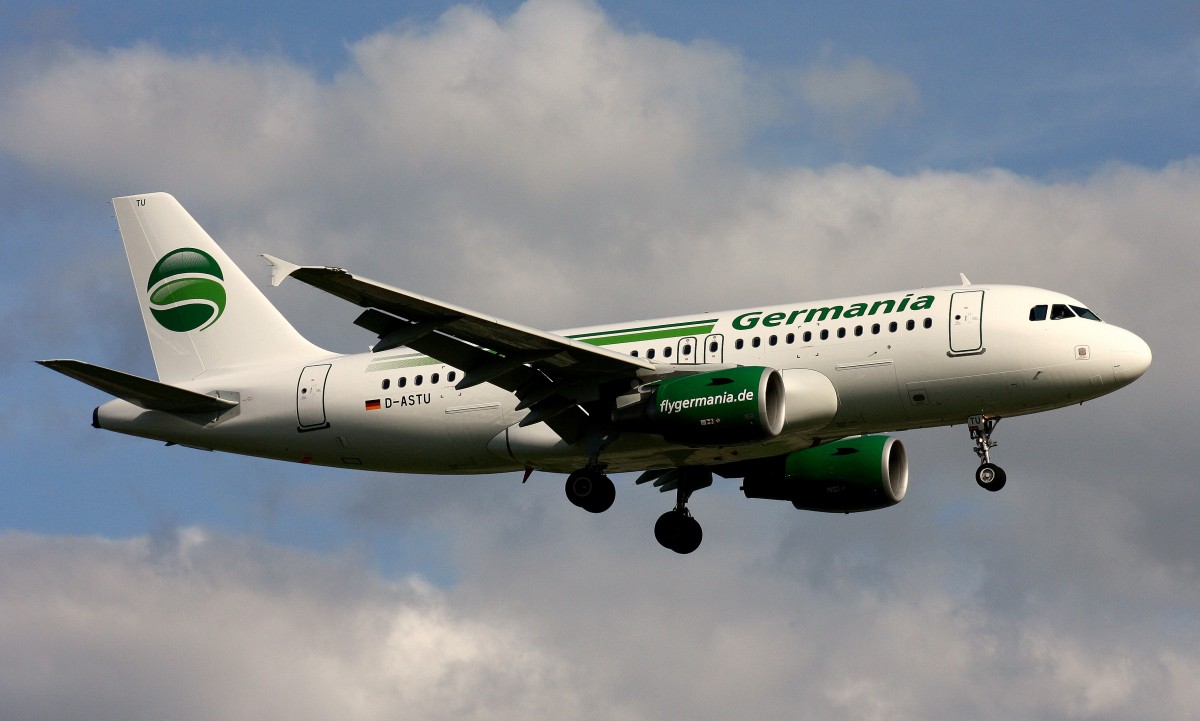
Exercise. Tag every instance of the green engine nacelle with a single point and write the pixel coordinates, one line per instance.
(857, 474)
(718, 408)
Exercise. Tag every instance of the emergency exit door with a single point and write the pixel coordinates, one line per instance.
(714, 348)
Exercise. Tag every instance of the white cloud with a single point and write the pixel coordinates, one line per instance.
(218, 628)
(202, 625)
(550, 102)
(855, 97)
(500, 163)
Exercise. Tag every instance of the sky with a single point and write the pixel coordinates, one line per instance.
(560, 163)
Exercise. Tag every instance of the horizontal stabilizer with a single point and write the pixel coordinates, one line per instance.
(141, 392)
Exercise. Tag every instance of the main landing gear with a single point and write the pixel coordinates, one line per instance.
(591, 490)
(677, 529)
(989, 476)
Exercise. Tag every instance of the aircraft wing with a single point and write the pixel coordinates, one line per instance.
(550, 374)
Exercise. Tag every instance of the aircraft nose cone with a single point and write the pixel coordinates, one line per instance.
(1130, 357)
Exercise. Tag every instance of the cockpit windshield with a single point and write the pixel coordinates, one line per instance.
(1059, 311)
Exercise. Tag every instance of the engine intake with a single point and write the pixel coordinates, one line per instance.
(718, 408)
(856, 474)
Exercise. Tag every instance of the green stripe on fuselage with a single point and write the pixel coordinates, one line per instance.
(652, 332)
(394, 362)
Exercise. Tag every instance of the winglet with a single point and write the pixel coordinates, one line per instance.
(280, 269)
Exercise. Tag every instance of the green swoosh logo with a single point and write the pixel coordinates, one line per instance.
(187, 290)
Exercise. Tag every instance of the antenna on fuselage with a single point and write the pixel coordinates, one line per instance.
(964, 278)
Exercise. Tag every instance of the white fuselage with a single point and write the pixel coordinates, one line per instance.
(851, 366)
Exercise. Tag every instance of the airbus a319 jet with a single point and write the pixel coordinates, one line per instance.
(789, 399)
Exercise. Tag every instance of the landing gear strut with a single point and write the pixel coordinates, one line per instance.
(677, 529)
(989, 476)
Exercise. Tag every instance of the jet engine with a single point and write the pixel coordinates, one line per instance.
(855, 474)
(717, 408)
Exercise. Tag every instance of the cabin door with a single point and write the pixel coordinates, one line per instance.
(310, 398)
(966, 322)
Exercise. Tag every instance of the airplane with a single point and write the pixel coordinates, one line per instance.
(794, 400)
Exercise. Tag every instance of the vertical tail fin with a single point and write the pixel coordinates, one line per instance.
(201, 312)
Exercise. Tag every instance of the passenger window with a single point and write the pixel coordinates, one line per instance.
(928, 322)
(858, 330)
(892, 327)
(841, 332)
(650, 353)
(756, 341)
(773, 340)
(737, 344)
(401, 382)
(387, 382)
(434, 378)
(1060, 311)
(875, 329)
(808, 336)
(910, 325)
(712, 347)
(687, 349)
(450, 377)
(633, 353)
(791, 338)
(825, 334)
(1038, 312)
(667, 352)
(418, 380)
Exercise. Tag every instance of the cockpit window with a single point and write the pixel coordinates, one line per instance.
(1060, 311)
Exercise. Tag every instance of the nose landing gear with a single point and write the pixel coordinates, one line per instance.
(989, 476)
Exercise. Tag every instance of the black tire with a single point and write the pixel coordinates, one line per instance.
(603, 495)
(591, 490)
(579, 486)
(679, 532)
(990, 477)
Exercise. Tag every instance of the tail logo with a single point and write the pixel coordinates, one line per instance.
(187, 290)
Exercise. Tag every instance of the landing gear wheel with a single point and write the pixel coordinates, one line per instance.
(591, 490)
(678, 531)
(990, 477)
